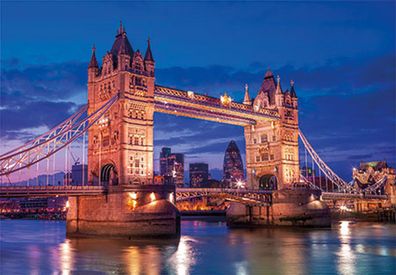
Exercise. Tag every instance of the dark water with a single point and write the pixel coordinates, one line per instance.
(40, 247)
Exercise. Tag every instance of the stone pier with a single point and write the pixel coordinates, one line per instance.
(289, 207)
(125, 212)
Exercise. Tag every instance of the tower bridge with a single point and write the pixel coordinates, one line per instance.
(120, 197)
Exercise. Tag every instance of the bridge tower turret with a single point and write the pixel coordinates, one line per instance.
(93, 67)
(272, 146)
(148, 59)
(120, 147)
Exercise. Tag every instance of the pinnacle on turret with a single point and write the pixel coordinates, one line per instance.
(278, 86)
(93, 63)
(121, 43)
(149, 55)
(121, 29)
(246, 98)
(292, 91)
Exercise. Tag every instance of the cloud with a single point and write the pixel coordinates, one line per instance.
(37, 96)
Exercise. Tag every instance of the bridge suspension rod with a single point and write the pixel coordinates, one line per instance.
(39, 149)
(329, 173)
(47, 135)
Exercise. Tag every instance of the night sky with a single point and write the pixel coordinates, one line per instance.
(340, 55)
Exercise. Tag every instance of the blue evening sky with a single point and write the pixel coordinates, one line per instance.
(340, 54)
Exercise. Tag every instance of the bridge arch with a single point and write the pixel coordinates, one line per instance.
(268, 182)
(108, 174)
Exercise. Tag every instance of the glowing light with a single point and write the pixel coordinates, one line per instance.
(67, 204)
(132, 200)
(344, 208)
(225, 99)
(240, 184)
(190, 94)
(133, 195)
(152, 196)
(103, 122)
(171, 198)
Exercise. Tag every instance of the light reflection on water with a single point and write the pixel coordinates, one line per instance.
(346, 255)
(39, 247)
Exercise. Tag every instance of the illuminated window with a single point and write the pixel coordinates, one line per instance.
(264, 138)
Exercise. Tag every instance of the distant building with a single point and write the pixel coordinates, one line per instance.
(213, 183)
(307, 172)
(67, 178)
(232, 166)
(79, 174)
(370, 173)
(172, 167)
(164, 155)
(319, 180)
(177, 165)
(199, 174)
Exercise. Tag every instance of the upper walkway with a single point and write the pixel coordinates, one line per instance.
(190, 104)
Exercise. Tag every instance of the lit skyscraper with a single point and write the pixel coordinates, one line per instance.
(233, 165)
(164, 155)
(172, 167)
(199, 174)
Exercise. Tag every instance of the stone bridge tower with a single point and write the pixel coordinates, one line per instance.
(120, 146)
(272, 147)
(120, 152)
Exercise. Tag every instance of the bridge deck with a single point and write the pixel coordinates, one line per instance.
(49, 191)
(181, 193)
(183, 103)
(335, 196)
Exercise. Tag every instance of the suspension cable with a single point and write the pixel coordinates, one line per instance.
(35, 152)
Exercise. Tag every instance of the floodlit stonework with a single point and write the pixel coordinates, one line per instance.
(120, 143)
(272, 159)
(120, 146)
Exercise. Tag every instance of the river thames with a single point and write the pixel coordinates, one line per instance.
(205, 247)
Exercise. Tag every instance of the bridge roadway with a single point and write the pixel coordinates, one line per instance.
(262, 196)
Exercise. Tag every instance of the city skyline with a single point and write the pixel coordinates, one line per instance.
(355, 79)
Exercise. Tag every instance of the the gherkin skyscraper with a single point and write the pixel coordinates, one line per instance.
(233, 166)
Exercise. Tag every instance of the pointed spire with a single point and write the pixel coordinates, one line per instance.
(278, 86)
(292, 91)
(93, 63)
(121, 29)
(268, 73)
(149, 55)
(246, 98)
